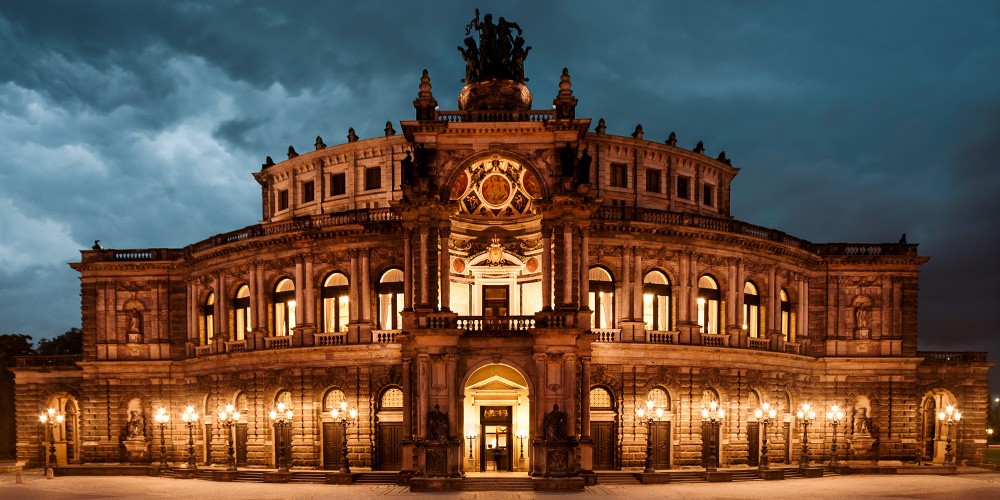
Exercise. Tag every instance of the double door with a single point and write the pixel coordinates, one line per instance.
(495, 447)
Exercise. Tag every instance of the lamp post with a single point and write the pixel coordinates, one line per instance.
(228, 417)
(51, 418)
(282, 419)
(190, 418)
(949, 416)
(341, 415)
(834, 416)
(162, 417)
(765, 415)
(805, 415)
(471, 436)
(520, 445)
(648, 413)
(714, 415)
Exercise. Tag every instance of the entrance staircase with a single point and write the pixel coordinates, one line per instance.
(497, 483)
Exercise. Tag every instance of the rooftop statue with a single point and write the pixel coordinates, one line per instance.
(500, 54)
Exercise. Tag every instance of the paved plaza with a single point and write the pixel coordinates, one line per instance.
(971, 484)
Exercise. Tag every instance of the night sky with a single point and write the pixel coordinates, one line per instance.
(139, 122)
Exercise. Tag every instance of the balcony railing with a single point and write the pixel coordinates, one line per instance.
(497, 325)
(279, 342)
(236, 346)
(759, 344)
(328, 339)
(385, 336)
(714, 340)
(44, 361)
(607, 334)
(953, 357)
(659, 337)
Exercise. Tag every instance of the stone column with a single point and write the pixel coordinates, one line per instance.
(366, 288)
(570, 386)
(253, 285)
(538, 422)
(423, 282)
(192, 312)
(354, 288)
(567, 295)
(546, 268)
(423, 393)
(637, 285)
(585, 396)
(309, 293)
(584, 268)
(444, 262)
(802, 321)
(451, 374)
(407, 269)
(260, 302)
(220, 307)
(407, 401)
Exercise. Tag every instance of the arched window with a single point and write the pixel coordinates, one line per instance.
(241, 313)
(660, 398)
(392, 399)
(283, 397)
(332, 399)
(602, 298)
(708, 305)
(751, 309)
(284, 308)
(787, 318)
(390, 300)
(241, 403)
(207, 323)
(600, 399)
(656, 301)
(336, 303)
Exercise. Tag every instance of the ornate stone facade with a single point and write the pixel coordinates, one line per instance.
(478, 269)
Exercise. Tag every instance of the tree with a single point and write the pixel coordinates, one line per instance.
(70, 342)
(14, 344)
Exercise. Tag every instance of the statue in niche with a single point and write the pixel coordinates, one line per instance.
(408, 169)
(136, 425)
(437, 425)
(568, 160)
(862, 422)
(583, 167)
(860, 317)
(555, 424)
(134, 322)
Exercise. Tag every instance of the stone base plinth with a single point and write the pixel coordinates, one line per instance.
(225, 475)
(557, 483)
(812, 472)
(589, 477)
(339, 478)
(653, 478)
(436, 484)
(277, 477)
(185, 473)
(718, 476)
(771, 474)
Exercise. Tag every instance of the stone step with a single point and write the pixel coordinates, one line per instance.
(496, 484)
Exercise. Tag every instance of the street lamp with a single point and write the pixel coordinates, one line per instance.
(642, 413)
(949, 416)
(190, 418)
(765, 415)
(282, 419)
(341, 415)
(52, 418)
(471, 436)
(805, 415)
(520, 444)
(162, 417)
(834, 416)
(228, 417)
(714, 415)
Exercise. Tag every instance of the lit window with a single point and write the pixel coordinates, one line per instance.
(708, 305)
(336, 303)
(390, 300)
(787, 317)
(751, 309)
(656, 301)
(284, 308)
(602, 299)
(207, 326)
(241, 313)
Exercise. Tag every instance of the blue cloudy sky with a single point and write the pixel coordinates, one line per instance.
(139, 122)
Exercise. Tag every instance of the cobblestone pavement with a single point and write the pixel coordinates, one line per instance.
(972, 484)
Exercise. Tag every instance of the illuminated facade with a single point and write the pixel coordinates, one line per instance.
(485, 265)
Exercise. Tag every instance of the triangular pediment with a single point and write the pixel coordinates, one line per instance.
(496, 383)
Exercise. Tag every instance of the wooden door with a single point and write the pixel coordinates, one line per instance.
(333, 437)
(603, 434)
(208, 444)
(708, 439)
(495, 300)
(390, 439)
(661, 445)
(241, 444)
(753, 444)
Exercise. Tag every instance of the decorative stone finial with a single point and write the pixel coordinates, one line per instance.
(425, 86)
(268, 162)
(319, 143)
(601, 127)
(389, 130)
(638, 132)
(351, 136)
(723, 159)
(425, 104)
(291, 153)
(672, 139)
(564, 102)
(700, 148)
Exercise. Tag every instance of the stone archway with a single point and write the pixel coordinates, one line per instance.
(497, 418)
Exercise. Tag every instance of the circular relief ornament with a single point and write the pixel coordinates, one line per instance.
(495, 190)
(459, 265)
(530, 183)
(458, 187)
(531, 264)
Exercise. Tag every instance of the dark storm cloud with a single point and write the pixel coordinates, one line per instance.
(139, 123)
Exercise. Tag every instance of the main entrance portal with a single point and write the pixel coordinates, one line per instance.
(496, 417)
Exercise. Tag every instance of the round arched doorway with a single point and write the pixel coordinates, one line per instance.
(496, 415)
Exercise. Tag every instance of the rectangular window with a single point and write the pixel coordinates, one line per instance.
(308, 191)
(706, 195)
(373, 178)
(338, 184)
(684, 187)
(619, 175)
(283, 199)
(652, 180)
